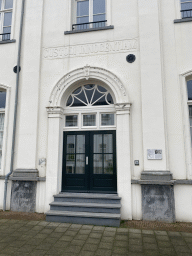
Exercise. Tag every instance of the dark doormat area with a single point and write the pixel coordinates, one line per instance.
(137, 224)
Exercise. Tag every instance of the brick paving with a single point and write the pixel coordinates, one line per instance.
(24, 237)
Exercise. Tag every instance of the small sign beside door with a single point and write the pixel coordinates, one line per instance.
(154, 154)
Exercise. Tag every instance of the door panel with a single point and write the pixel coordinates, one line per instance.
(89, 161)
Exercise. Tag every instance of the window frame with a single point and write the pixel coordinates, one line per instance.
(6, 123)
(71, 18)
(2, 13)
(182, 3)
(91, 15)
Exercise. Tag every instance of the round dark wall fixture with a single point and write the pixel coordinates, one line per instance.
(15, 69)
(130, 58)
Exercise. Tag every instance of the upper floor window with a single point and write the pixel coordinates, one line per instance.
(2, 119)
(186, 9)
(90, 14)
(6, 8)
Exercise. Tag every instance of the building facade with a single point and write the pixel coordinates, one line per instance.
(103, 107)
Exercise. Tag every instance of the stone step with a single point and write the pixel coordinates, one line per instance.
(88, 198)
(102, 219)
(85, 207)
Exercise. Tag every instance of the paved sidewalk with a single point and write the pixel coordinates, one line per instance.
(44, 238)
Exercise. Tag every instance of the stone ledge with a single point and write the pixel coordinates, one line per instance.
(87, 30)
(183, 20)
(28, 178)
(8, 41)
(152, 182)
(157, 176)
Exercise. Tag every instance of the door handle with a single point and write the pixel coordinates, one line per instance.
(87, 160)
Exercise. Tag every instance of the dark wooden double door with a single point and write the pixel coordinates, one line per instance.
(89, 161)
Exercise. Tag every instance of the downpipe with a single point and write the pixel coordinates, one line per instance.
(15, 109)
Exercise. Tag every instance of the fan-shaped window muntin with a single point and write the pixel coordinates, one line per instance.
(89, 95)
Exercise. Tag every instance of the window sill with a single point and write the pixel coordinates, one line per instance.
(88, 30)
(183, 20)
(8, 41)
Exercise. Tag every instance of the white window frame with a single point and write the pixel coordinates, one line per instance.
(188, 1)
(2, 12)
(87, 110)
(90, 9)
(72, 10)
(5, 134)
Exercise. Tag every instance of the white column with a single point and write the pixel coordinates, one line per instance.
(54, 154)
(151, 83)
(123, 159)
(28, 104)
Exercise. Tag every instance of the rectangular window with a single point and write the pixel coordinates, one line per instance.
(71, 121)
(89, 120)
(107, 119)
(6, 8)
(90, 14)
(186, 9)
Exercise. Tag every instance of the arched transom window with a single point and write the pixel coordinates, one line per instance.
(89, 95)
(90, 106)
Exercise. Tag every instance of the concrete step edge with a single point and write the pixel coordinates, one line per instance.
(88, 195)
(88, 205)
(84, 214)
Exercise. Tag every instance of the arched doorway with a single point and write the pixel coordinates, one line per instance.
(57, 112)
(89, 140)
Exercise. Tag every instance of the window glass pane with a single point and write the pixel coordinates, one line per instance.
(97, 164)
(89, 120)
(0, 4)
(83, 20)
(190, 115)
(7, 19)
(189, 88)
(97, 140)
(5, 31)
(185, 5)
(70, 144)
(108, 143)
(71, 121)
(107, 119)
(80, 144)
(109, 98)
(98, 6)
(2, 99)
(80, 164)
(70, 164)
(99, 18)
(82, 8)
(8, 4)
(108, 164)
(2, 117)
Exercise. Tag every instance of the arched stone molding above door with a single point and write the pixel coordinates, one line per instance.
(57, 107)
(88, 73)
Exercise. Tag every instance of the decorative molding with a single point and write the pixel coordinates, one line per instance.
(85, 73)
(122, 108)
(55, 112)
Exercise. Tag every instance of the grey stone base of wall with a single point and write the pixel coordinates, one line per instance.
(158, 202)
(23, 190)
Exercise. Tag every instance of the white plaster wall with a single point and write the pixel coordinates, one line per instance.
(183, 202)
(136, 202)
(40, 196)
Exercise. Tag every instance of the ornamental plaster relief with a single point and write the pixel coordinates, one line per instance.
(86, 73)
(90, 49)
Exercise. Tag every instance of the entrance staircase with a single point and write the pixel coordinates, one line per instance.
(85, 208)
